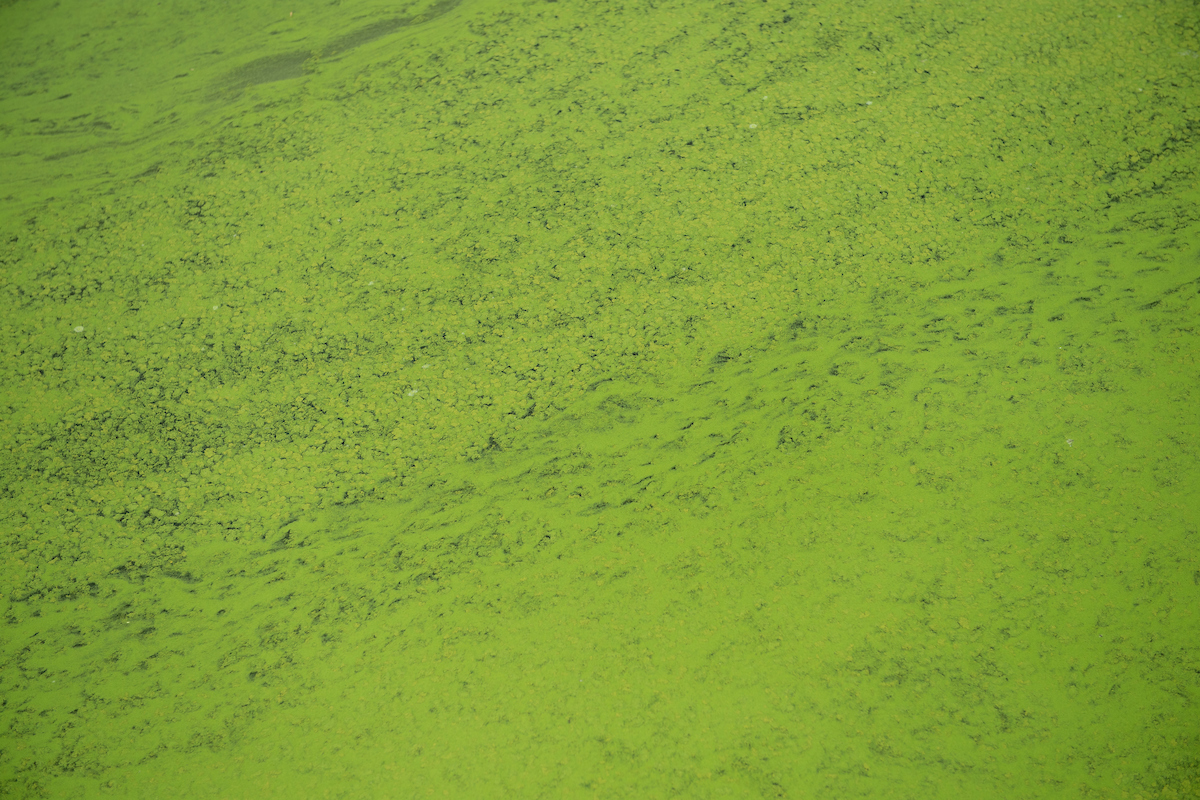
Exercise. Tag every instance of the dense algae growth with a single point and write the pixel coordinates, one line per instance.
(637, 400)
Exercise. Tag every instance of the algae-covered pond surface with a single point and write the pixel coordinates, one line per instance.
(634, 399)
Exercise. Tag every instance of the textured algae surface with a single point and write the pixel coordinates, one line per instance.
(641, 399)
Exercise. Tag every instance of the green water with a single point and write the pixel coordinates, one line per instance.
(626, 400)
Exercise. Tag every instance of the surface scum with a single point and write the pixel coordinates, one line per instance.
(646, 399)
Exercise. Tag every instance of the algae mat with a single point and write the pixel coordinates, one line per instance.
(642, 399)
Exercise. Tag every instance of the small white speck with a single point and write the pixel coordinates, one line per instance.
(215, 308)
(411, 392)
(868, 102)
(425, 366)
(752, 125)
(1070, 442)
(79, 329)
